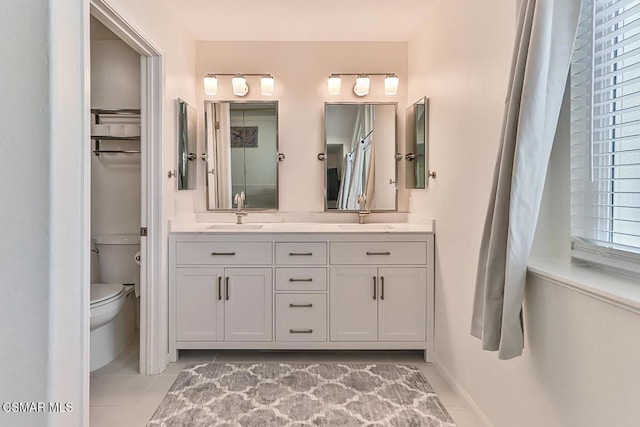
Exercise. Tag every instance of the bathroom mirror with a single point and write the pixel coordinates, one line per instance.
(360, 155)
(187, 131)
(416, 144)
(242, 153)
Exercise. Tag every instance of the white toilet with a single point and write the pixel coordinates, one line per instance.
(112, 322)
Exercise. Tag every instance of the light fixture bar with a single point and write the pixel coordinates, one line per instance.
(239, 83)
(362, 85)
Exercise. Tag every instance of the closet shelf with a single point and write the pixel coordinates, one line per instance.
(113, 113)
(116, 111)
(115, 138)
(98, 152)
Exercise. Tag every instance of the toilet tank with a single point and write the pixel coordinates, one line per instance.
(117, 258)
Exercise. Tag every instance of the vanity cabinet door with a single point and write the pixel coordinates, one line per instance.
(353, 304)
(402, 304)
(248, 304)
(199, 306)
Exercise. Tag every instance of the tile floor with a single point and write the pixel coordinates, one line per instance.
(121, 397)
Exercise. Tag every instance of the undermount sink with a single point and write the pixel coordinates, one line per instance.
(236, 226)
(366, 226)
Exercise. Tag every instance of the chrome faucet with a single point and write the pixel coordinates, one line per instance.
(238, 199)
(364, 209)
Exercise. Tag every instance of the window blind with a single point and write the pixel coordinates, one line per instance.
(605, 134)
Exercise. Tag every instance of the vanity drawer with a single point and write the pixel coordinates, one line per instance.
(301, 317)
(301, 253)
(301, 279)
(224, 253)
(378, 253)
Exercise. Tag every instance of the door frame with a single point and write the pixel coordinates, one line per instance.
(152, 93)
(70, 204)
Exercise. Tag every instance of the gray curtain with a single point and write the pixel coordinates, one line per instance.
(544, 42)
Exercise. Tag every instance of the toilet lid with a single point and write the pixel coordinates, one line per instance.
(104, 291)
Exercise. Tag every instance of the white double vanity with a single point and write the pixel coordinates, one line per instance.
(301, 286)
(302, 280)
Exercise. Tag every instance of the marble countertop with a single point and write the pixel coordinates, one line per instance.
(301, 227)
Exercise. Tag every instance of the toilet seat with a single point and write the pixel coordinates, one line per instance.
(104, 293)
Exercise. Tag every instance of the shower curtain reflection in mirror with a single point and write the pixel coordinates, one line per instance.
(218, 124)
(357, 166)
(360, 155)
(242, 147)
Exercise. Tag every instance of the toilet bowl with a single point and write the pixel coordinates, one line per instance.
(112, 307)
(107, 299)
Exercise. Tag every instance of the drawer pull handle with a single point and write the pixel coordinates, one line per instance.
(226, 287)
(375, 287)
(300, 305)
(300, 253)
(219, 288)
(300, 331)
(292, 279)
(223, 253)
(382, 287)
(378, 253)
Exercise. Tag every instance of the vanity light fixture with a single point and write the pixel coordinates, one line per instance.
(239, 83)
(266, 84)
(240, 87)
(361, 87)
(210, 84)
(333, 84)
(391, 84)
(363, 81)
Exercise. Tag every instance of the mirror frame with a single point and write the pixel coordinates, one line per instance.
(190, 146)
(273, 102)
(411, 145)
(325, 151)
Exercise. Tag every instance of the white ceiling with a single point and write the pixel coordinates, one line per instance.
(300, 20)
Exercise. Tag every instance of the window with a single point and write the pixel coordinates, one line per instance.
(605, 134)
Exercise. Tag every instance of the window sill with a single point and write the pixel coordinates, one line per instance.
(621, 291)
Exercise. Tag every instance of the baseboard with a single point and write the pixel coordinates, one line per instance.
(453, 382)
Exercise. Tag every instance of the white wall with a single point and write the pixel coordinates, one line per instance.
(25, 194)
(156, 22)
(579, 366)
(301, 70)
(115, 178)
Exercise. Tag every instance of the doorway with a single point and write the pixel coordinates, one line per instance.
(152, 357)
(116, 185)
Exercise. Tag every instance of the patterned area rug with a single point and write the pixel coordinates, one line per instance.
(263, 394)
